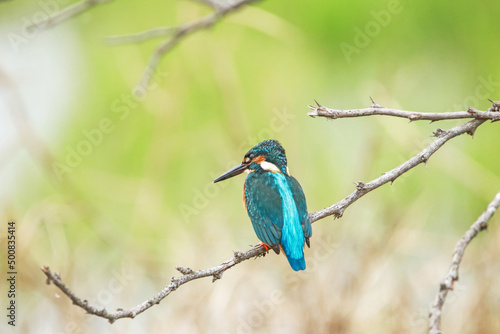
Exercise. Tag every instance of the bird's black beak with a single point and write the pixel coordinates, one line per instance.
(232, 172)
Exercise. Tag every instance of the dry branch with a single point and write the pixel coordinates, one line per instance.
(175, 282)
(452, 276)
(375, 109)
(442, 136)
(176, 34)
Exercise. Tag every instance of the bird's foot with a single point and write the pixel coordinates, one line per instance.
(267, 247)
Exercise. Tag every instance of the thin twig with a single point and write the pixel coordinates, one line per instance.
(375, 109)
(141, 36)
(220, 9)
(175, 34)
(452, 276)
(178, 34)
(65, 14)
(442, 136)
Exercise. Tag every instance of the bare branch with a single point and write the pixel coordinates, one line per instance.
(220, 9)
(178, 33)
(175, 34)
(442, 136)
(375, 109)
(447, 284)
(66, 13)
(141, 36)
(175, 282)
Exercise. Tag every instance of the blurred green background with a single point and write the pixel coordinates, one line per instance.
(138, 200)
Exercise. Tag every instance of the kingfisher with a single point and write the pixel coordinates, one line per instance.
(274, 201)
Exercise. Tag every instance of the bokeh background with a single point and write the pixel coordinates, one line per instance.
(114, 192)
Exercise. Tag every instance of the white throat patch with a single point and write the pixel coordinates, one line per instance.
(269, 167)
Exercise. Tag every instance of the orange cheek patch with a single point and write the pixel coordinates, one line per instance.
(259, 159)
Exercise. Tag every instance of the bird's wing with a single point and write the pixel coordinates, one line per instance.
(300, 202)
(264, 207)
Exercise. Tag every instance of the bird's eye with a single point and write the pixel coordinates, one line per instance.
(249, 158)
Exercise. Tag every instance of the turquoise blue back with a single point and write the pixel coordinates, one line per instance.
(277, 208)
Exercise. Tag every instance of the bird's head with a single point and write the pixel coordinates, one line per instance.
(268, 155)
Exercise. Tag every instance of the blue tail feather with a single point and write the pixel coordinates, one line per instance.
(297, 264)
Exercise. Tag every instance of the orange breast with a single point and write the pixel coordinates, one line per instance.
(244, 198)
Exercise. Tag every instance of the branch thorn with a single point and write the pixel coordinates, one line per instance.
(237, 255)
(495, 105)
(374, 104)
(471, 132)
(438, 132)
(359, 185)
(216, 277)
(185, 270)
(338, 214)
